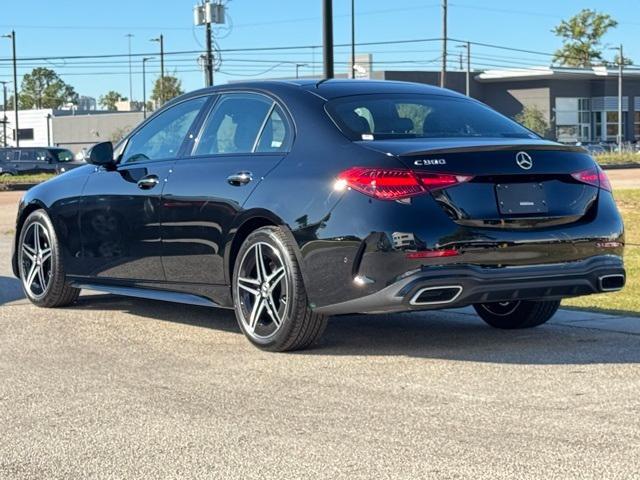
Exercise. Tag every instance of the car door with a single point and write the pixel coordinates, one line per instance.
(243, 137)
(119, 220)
(43, 162)
(26, 163)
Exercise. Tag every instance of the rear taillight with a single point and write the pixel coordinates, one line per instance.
(594, 176)
(396, 183)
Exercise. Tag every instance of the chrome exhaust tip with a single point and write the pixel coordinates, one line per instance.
(436, 295)
(611, 283)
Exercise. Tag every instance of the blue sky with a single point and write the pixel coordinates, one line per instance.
(46, 28)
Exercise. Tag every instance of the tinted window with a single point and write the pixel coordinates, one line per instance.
(27, 155)
(276, 135)
(63, 155)
(234, 124)
(369, 117)
(41, 155)
(163, 135)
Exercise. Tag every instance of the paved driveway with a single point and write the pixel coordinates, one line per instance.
(124, 388)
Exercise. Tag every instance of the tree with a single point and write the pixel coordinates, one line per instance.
(109, 100)
(581, 37)
(532, 118)
(43, 88)
(166, 88)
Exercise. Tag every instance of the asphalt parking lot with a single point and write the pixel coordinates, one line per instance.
(125, 388)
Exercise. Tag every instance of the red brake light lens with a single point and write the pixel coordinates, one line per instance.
(396, 183)
(432, 254)
(594, 176)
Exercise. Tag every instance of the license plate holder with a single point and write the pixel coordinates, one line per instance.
(521, 198)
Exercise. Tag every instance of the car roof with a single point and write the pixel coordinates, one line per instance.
(334, 88)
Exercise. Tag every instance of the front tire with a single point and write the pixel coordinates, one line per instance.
(269, 297)
(517, 314)
(40, 264)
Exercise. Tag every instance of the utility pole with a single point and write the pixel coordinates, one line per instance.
(298, 65)
(353, 38)
(620, 69)
(4, 113)
(160, 39)
(129, 35)
(206, 14)
(467, 46)
(144, 86)
(12, 36)
(327, 37)
(443, 73)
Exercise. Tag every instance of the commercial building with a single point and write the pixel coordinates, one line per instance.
(579, 105)
(72, 129)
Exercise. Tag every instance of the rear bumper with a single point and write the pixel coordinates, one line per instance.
(467, 284)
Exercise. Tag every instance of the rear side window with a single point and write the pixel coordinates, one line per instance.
(162, 137)
(27, 155)
(276, 134)
(63, 155)
(370, 117)
(234, 124)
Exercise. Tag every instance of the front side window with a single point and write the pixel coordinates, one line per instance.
(162, 137)
(234, 124)
(27, 155)
(369, 117)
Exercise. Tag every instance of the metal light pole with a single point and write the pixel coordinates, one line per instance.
(129, 35)
(4, 113)
(353, 38)
(443, 73)
(161, 40)
(467, 46)
(298, 65)
(144, 86)
(327, 37)
(12, 36)
(620, 68)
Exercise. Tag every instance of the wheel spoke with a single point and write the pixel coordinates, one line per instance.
(28, 252)
(273, 311)
(252, 291)
(275, 278)
(258, 306)
(41, 278)
(46, 254)
(260, 266)
(31, 276)
(36, 236)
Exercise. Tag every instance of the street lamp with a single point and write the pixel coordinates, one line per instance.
(298, 65)
(12, 36)
(467, 47)
(160, 40)
(144, 86)
(129, 36)
(4, 113)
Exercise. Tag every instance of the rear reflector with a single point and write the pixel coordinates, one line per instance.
(396, 183)
(432, 254)
(594, 176)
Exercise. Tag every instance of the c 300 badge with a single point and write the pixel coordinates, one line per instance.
(430, 161)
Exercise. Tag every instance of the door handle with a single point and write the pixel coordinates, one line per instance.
(240, 178)
(148, 182)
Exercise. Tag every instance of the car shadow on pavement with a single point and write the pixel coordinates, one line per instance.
(448, 335)
(10, 290)
(215, 318)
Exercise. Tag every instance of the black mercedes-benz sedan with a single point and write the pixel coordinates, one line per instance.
(291, 201)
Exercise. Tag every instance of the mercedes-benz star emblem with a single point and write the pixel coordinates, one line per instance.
(524, 161)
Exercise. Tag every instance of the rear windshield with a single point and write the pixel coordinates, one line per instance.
(374, 117)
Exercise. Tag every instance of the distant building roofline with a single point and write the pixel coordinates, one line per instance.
(561, 73)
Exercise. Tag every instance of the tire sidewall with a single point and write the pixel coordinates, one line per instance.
(268, 235)
(57, 274)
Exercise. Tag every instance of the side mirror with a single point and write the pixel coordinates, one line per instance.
(101, 154)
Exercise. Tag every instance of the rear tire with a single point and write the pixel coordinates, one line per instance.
(517, 314)
(269, 296)
(40, 264)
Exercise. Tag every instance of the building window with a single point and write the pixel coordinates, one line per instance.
(24, 134)
(612, 125)
(573, 122)
(636, 125)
